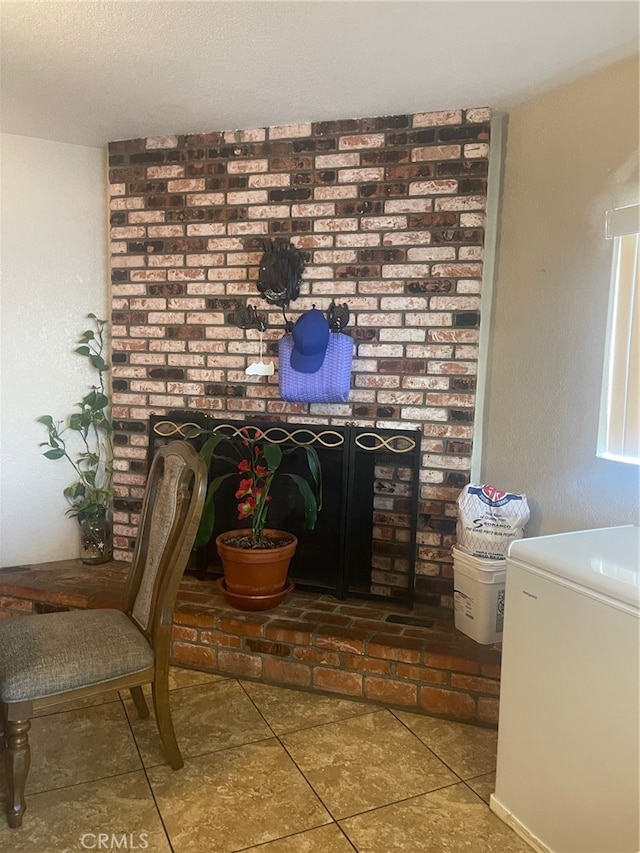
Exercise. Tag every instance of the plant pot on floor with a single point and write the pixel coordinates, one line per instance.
(255, 578)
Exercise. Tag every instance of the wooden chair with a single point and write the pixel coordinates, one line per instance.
(56, 657)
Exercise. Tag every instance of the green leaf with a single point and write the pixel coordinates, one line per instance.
(47, 420)
(87, 336)
(56, 453)
(208, 519)
(98, 362)
(310, 505)
(92, 316)
(205, 529)
(82, 505)
(77, 490)
(273, 456)
(101, 401)
(314, 469)
(209, 447)
(316, 472)
(83, 350)
(75, 422)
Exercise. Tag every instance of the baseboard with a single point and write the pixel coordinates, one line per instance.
(512, 821)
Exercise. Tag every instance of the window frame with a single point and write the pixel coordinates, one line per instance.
(619, 424)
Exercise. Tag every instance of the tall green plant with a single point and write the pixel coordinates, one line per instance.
(89, 496)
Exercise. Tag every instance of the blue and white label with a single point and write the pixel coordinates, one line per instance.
(493, 497)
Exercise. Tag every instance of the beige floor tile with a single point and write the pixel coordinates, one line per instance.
(452, 820)
(289, 710)
(325, 839)
(180, 677)
(64, 820)
(484, 785)
(393, 790)
(365, 762)
(80, 746)
(468, 750)
(235, 798)
(206, 717)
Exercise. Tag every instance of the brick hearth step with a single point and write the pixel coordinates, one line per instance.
(371, 649)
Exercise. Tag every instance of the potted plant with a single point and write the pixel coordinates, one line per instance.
(89, 496)
(255, 560)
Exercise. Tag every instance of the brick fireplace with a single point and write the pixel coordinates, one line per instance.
(390, 214)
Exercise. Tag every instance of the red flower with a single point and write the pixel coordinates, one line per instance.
(246, 508)
(244, 465)
(245, 487)
(261, 471)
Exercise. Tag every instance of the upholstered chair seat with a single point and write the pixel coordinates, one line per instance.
(57, 657)
(45, 655)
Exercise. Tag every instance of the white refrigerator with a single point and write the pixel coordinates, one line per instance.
(568, 771)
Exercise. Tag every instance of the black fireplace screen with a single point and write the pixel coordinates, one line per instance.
(364, 542)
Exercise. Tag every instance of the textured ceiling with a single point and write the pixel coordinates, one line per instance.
(87, 72)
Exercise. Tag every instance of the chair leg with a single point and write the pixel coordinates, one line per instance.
(160, 692)
(139, 701)
(18, 761)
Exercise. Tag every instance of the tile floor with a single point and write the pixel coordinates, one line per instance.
(266, 769)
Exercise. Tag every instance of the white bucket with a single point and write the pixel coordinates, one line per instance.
(479, 596)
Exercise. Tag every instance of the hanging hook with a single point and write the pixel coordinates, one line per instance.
(288, 325)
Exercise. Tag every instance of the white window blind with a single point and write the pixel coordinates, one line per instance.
(619, 431)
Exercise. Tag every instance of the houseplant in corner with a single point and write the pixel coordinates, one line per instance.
(255, 560)
(85, 441)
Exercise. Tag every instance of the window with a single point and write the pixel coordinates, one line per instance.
(619, 432)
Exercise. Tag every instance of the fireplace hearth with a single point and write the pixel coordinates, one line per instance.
(364, 542)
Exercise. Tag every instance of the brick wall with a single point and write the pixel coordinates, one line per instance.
(390, 212)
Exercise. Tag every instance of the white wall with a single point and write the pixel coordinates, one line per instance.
(54, 272)
(571, 154)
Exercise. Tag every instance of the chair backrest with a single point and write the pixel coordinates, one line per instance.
(171, 510)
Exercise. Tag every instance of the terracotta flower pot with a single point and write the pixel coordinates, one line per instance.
(255, 572)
